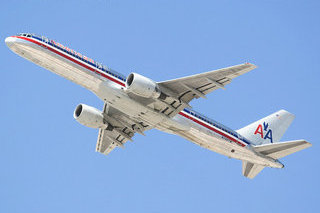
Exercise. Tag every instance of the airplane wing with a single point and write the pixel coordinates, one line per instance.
(120, 130)
(195, 86)
(108, 140)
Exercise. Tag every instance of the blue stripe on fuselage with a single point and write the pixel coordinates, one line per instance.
(216, 124)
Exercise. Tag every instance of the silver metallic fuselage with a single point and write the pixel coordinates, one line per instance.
(112, 91)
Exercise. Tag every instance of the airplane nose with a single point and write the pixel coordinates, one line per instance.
(9, 41)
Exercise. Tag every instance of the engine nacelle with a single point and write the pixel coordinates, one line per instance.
(142, 86)
(89, 116)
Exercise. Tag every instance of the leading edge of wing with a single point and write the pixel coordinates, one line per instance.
(246, 67)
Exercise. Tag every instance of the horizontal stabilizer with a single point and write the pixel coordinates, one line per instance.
(251, 170)
(282, 149)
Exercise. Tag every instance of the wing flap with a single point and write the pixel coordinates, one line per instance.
(104, 144)
(121, 128)
(108, 140)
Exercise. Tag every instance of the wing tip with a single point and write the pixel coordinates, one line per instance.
(308, 144)
(251, 65)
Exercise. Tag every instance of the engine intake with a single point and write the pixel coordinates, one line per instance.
(142, 86)
(89, 116)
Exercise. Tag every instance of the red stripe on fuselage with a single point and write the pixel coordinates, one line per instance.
(213, 129)
(71, 59)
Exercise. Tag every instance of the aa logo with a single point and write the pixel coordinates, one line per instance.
(264, 132)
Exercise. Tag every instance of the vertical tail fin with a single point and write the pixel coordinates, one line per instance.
(265, 134)
(269, 129)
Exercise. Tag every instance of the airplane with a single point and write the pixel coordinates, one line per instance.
(135, 104)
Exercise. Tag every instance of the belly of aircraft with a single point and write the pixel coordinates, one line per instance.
(218, 144)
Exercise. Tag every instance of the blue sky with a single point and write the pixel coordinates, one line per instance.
(47, 160)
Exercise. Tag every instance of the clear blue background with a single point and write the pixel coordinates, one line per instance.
(47, 160)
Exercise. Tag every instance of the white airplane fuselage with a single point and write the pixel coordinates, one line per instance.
(110, 87)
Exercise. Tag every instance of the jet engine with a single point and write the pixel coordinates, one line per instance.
(142, 86)
(89, 116)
